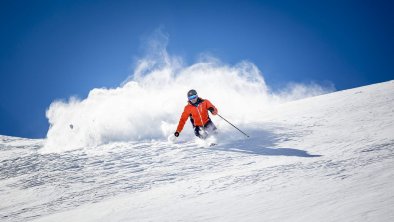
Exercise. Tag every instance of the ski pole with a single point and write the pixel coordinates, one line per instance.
(233, 125)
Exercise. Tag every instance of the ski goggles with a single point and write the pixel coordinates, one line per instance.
(192, 97)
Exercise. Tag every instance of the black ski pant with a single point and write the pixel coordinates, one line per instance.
(203, 132)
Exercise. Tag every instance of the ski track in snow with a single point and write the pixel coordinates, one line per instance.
(325, 158)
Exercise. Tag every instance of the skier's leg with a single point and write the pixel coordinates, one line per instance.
(197, 131)
(200, 133)
(210, 127)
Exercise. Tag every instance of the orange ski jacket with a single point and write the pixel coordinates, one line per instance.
(198, 112)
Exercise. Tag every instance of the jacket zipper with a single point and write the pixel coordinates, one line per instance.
(200, 116)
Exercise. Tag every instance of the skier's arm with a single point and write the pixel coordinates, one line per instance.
(211, 107)
(182, 121)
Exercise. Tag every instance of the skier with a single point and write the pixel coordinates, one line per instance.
(197, 109)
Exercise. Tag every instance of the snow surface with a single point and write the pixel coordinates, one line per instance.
(325, 158)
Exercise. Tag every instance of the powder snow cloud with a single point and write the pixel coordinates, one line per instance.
(147, 106)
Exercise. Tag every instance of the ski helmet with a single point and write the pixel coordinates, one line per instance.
(191, 92)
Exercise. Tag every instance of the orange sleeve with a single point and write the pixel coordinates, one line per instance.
(183, 119)
(210, 105)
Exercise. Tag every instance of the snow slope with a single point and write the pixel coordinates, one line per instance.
(325, 158)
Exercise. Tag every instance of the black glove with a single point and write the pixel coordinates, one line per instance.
(212, 110)
(176, 134)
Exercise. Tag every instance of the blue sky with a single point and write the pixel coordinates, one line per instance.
(55, 49)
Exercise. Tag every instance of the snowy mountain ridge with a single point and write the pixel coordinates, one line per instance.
(325, 158)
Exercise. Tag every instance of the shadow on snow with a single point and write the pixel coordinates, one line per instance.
(262, 142)
(270, 151)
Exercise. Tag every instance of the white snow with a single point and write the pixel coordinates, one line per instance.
(325, 158)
